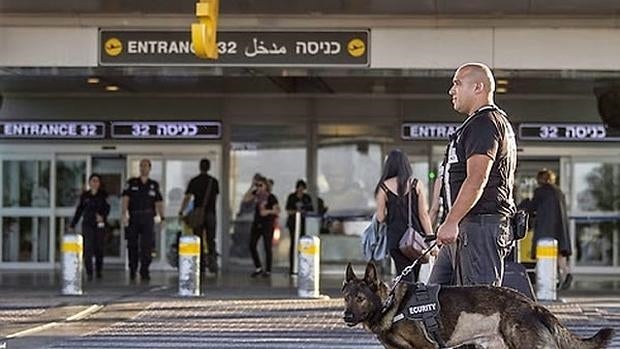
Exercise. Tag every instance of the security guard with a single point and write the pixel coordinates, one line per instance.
(142, 208)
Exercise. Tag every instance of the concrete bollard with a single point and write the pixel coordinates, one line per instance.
(189, 266)
(309, 267)
(296, 235)
(546, 269)
(72, 251)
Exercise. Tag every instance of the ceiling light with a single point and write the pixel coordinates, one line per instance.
(111, 88)
(502, 82)
(93, 80)
(501, 90)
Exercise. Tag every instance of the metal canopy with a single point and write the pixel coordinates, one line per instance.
(318, 7)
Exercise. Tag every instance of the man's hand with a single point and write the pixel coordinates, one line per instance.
(447, 233)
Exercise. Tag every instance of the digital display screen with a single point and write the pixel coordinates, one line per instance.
(167, 130)
(568, 132)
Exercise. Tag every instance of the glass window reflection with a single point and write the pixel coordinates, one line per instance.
(26, 183)
(597, 186)
(70, 182)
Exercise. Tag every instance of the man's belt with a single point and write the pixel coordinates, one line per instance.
(485, 218)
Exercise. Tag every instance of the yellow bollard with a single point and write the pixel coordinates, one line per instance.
(309, 266)
(72, 251)
(546, 269)
(189, 266)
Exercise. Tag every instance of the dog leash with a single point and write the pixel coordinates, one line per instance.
(390, 300)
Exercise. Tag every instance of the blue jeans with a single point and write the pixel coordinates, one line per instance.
(478, 256)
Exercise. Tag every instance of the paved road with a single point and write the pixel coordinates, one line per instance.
(279, 324)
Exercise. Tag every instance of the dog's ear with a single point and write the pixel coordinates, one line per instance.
(350, 274)
(370, 277)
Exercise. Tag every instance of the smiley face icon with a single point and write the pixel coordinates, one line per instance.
(113, 47)
(356, 47)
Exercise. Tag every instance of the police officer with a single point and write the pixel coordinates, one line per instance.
(93, 209)
(477, 184)
(142, 207)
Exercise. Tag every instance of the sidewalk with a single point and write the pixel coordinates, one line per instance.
(234, 312)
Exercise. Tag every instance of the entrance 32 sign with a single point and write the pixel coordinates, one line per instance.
(246, 48)
(52, 129)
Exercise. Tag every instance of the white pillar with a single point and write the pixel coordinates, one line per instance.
(295, 237)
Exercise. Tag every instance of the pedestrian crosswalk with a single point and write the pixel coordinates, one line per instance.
(276, 324)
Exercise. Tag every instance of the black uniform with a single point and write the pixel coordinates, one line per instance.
(485, 235)
(89, 206)
(263, 226)
(198, 187)
(303, 205)
(140, 232)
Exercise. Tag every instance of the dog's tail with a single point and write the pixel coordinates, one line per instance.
(567, 340)
(600, 340)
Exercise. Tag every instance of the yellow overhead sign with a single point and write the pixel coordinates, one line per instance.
(204, 34)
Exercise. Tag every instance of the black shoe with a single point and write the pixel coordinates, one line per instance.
(568, 280)
(89, 277)
(98, 275)
(145, 277)
(257, 273)
(132, 276)
(266, 274)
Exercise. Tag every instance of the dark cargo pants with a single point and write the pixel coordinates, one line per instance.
(478, 256)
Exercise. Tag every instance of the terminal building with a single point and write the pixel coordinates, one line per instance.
(315, 90)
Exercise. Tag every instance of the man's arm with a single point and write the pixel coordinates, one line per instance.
(186, 200)
(159, 206)
(433, 212)
(478, 170)
(125, 210)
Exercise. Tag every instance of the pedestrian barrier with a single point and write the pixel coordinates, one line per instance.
(189, 266)
(309, 267)
(72, 251)
(546, 269)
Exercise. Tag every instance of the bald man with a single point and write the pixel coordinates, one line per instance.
(477, 180)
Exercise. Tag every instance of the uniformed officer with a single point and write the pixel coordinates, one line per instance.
(142, 207)
(93, 208)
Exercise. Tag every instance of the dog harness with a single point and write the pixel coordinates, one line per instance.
(422, 305)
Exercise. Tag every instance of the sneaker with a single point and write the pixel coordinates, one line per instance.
(257, 273)
(266, 274)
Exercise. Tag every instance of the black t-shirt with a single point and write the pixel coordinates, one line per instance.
(142, 196)
(198, 187)
(269, 202)
(294, 203)
(489, 133)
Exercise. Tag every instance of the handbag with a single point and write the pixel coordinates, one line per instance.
(196, 218)
(412, 244)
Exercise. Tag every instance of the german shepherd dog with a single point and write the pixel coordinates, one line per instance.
(476, 316)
